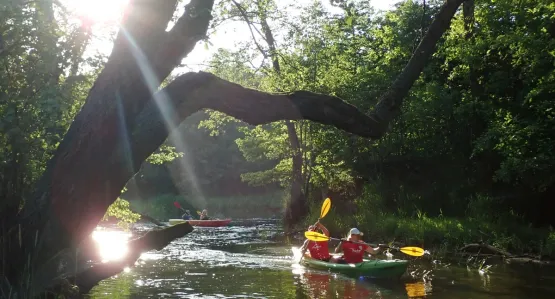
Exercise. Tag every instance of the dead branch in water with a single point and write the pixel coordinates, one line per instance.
(481, 248)
(487, 251)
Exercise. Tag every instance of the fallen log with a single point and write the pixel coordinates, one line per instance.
(487, 251)
(155, 239)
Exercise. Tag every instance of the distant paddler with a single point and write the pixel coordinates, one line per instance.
(204, 215)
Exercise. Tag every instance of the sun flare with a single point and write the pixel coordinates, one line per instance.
(98, 11)
(112, 245)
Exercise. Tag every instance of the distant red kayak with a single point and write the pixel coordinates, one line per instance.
(203, 223)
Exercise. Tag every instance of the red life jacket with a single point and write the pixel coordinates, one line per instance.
(319, 250)
(353, 252)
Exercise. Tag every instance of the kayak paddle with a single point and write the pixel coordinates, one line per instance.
(177, 205)
(315, 236)
(325, 208)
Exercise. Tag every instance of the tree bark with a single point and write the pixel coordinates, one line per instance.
(124, 120)
(297, 207)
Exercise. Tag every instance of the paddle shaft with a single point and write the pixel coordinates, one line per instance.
(373, 245)
(177, 205)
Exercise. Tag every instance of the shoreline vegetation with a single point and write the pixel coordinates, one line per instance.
(503, 239)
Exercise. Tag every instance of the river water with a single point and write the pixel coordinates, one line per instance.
(241, 261)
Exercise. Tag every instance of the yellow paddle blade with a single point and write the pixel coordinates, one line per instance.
(198, 212)
(413, 251)
(325, 207)
(314, 236)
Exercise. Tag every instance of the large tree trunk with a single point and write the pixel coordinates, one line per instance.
(297, 206)
(81, 179)
(124, 120)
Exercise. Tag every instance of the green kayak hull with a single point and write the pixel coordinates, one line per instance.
(368, 268)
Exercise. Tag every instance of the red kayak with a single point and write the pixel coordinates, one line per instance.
(203, 223)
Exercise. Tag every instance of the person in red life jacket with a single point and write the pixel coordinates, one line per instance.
(318, 250)
(353, 248)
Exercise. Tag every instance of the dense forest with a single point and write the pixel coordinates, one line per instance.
(467, 156)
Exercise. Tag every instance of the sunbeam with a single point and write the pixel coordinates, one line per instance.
(166, 110)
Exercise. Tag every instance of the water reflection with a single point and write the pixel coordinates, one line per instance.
(326, 285)
(418, 289)
(318, 285)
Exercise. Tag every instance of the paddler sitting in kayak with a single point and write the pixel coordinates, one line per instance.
(204, 215)
(354, 252)
(187, 215)
(318, 250)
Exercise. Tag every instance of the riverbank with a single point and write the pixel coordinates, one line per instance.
(441, 235)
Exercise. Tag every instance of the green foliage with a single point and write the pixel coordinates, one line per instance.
(164, 154)
(120, 210)
(44, 80)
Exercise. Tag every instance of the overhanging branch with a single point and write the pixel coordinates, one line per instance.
(192, 92)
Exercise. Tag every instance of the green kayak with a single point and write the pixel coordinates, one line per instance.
(368, 268)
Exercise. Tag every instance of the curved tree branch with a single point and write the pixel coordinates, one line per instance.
(192, 92)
